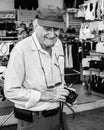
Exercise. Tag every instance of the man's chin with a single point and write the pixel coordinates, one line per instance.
(50, 44)
(50, 40)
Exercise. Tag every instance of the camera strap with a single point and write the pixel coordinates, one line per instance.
(61, 117)
(63, 125)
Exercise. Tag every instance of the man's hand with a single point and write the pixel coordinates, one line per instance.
(55, 95)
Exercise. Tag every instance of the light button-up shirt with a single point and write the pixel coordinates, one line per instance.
(30, 69)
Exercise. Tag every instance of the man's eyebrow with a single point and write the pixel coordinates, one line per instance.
(51, 28)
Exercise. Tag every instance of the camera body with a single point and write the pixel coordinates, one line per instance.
(71, 97)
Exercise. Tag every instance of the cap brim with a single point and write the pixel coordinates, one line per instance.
(47, 23)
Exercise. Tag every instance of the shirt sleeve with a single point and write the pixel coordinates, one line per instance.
(14, 78)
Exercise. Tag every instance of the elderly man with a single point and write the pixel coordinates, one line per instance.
(34, 79)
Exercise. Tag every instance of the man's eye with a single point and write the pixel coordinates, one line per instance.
(55, 29)
(47, 29)
(50, 29)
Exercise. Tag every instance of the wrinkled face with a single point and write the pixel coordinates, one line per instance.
(47, 36)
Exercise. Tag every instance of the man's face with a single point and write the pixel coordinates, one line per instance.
(47, 36)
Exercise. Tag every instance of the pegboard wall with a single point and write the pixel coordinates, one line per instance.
(25, 16)
(74, 21)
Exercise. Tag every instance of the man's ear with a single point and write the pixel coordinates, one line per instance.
(35, 24)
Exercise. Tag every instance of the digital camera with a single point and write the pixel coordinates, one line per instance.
(71, 97)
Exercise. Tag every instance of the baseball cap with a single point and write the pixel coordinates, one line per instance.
(50, 16)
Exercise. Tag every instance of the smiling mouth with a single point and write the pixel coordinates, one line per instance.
(51, 39)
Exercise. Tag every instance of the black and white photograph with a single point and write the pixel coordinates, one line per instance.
(51, 64)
